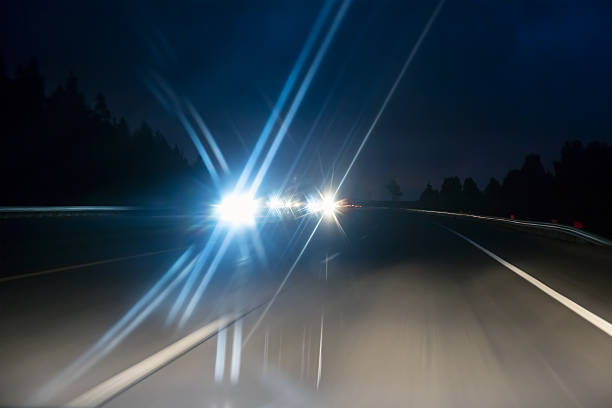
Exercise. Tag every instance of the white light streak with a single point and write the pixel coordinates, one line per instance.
(393, 88)
(118, 332)
(282, 284)
(206, 279)
(282, 98)
(297, 100)
(208, 135)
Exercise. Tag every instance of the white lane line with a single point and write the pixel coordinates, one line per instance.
(125, 379)
(592, 318)
(84, 265)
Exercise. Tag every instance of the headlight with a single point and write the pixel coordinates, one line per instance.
(275, 203)
(238, 209)
(326, 205)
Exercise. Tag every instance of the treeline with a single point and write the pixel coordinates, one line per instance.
(579, 189)
(59, 150)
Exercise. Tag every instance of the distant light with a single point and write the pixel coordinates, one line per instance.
(314, 206)
(238, 209)
(275, 203)
(328, 205)
(325, 205)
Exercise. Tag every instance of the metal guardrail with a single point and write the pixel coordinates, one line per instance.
(587, 236)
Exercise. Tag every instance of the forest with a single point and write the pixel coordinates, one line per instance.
(60, 150)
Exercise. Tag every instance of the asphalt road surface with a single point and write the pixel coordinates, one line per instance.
(397, 310)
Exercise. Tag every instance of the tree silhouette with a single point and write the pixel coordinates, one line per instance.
(394, 189)
(472, 196)
(58, 150)
(580, 189)
(493, 197)
(430, 198)
(450, 194)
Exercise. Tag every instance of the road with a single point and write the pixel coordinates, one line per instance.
(397, 311)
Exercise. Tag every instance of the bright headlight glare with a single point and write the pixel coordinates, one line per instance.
(275, 203)
(325, 205)
(314, 206)
(328, 205)
(238, 209)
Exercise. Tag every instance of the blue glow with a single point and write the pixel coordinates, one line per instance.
(393, 88)
(189, 129)
(209, 137)
(238, 210)
(206, 279)
(101, 347)
(306, 141)
(220, 359)
(297, 100)
(195, 273)
(284, 94)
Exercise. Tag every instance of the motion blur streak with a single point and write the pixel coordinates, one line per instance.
(297, 100)
(206, 279)
(393, 88)
(592, 318)
(118, 331)
(282, 284)
(280, 103)
(209, 137)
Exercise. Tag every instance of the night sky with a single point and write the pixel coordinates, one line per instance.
(492, 81)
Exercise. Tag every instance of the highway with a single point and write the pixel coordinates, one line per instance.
(400, 309)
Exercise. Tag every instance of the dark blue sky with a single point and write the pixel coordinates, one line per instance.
(492, 82)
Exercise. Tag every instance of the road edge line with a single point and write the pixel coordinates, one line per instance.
(577, 233)
(589, 316)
